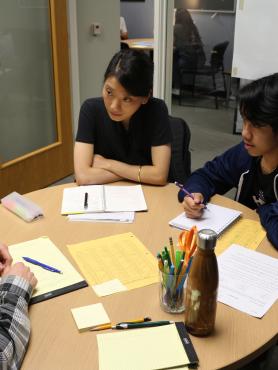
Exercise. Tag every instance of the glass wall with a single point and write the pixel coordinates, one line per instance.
(27, 103)
(202, 54)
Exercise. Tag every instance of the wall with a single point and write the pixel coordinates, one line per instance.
(94, 52)
(139, 18)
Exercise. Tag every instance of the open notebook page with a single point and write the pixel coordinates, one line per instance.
(124, 198)
(214, 217)
(102, 198)
(74, 199)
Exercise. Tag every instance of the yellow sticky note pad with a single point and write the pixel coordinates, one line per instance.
(88, 317)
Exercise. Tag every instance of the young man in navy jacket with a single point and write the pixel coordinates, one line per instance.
(251, 166)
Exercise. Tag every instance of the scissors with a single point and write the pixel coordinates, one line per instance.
(187, 242)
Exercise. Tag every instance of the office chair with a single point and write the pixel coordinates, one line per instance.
(180, 165)
(215, 66)
(124, 46)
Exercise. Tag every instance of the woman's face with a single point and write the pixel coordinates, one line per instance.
(120, 105)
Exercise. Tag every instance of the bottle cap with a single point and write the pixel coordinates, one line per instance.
(207, 239)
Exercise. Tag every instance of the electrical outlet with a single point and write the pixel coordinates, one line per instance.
(96, 28)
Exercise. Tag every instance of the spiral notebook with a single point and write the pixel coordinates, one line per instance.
(214, 217)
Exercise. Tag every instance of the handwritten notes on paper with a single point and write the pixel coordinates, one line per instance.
(248, 280)
(248, 233)
(120, 256)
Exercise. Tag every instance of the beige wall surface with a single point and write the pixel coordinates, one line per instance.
(96, 51)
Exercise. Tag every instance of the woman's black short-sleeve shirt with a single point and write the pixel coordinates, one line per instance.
(148, 127)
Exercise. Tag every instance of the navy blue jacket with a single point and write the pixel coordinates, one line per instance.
(235, 168)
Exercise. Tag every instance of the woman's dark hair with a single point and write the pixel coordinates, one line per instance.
(258, 102)
(183, 17)
(134, 70)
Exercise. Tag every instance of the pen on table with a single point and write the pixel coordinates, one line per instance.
(86, 200)
(141, 325)
(188, 193)
(42, 265)
(110, 326)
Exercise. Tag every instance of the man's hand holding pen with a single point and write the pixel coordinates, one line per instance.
(193, 203)
(193, 206)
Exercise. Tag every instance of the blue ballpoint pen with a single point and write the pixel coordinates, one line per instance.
(42, 265)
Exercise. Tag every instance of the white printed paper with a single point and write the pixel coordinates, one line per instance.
(248, 280)
(124, 217)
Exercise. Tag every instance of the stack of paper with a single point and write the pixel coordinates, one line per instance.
(248, 280)
(124, 217)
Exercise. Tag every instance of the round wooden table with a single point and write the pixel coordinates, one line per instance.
(55, 342)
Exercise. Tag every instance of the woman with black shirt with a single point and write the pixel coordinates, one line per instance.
(125, 134)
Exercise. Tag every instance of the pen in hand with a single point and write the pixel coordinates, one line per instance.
(190, 195)
(42, 265)
(86, 195)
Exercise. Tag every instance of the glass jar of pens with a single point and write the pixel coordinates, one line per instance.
(174, 266)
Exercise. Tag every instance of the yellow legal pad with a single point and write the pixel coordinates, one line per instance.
(50, 284)
(142, 349)
(245, 232)
(120, 256)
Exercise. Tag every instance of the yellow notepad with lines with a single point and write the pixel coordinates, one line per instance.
(50, 284)
(162, 347)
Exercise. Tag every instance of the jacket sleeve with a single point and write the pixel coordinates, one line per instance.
(269, 219)
(15, 293)
(219, 175)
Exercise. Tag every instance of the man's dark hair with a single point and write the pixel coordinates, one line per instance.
(134, 70)
(258, 102)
